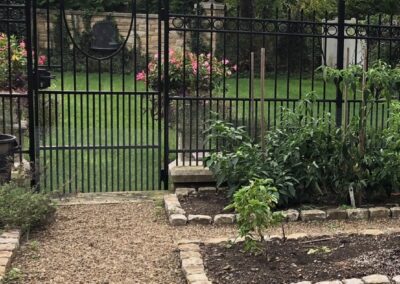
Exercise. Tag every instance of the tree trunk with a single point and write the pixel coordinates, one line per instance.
(247, 8)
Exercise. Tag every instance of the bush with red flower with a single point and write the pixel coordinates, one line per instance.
(13, 61)
(190, 74)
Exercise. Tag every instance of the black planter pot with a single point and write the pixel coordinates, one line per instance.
(8, 144)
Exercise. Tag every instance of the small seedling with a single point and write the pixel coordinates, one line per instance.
(34, 246)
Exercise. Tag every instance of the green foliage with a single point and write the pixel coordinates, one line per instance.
(14, 275)
(21, 207)
(12, 62)
(308, 158)
(240, 160)
(254, 204)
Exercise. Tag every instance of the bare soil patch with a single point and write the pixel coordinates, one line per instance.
(297, 260)
(205, 203)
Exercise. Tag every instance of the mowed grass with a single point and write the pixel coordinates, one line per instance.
(101, 141)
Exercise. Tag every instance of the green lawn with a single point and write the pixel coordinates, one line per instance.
(128, 140)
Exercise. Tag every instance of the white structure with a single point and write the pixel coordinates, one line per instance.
(355, 47)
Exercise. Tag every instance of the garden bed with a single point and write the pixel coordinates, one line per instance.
(370, 257)
(205, 205)
(205, 202)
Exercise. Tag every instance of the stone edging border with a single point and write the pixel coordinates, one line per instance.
(192, 264)
(9, 243)
(178, 217)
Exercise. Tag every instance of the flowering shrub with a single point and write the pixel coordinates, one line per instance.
(189, 73)
(13, 60)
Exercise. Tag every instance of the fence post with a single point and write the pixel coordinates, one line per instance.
(165, 16)
(31, 88)
(340, 58)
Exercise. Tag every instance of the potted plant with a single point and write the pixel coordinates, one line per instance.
(195, 77)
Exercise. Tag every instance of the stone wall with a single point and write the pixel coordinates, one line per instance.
(145, 24)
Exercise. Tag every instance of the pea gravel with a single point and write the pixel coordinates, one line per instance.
(127, 243)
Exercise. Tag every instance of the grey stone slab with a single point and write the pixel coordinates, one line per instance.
(336, 214)
(199, 219)
(379, 212)
(376, 279)
(353, 281)
(395, 212)
(312, 215)
(358, 214)
(222, 219)
(177, 220)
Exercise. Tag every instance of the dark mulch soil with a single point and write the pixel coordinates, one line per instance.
(205, 203)
(350, 256)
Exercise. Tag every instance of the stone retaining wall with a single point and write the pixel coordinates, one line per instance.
(147, 27)
(9, 243)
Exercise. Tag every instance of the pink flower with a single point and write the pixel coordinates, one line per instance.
(42, 59)
(226, 61)
(206, 64)
(171, 52)
(141, 76)
(194, 66)
(22, 44)
(234, 67)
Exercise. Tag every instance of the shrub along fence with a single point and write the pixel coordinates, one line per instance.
(99, 128)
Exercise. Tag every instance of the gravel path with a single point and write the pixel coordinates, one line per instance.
(125, 243)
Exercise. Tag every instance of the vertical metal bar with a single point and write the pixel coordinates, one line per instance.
(123, 120)
(147, 98)
(251, 113)
(340, 57)
(112, 98)
(88, 124)
(262, 94)
(62, 96)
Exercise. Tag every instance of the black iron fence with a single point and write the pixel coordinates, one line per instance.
(121, 110)
(296, 45)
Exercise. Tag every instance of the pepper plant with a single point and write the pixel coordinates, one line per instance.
(254, 204)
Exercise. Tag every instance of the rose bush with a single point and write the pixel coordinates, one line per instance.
(13, 61)
(190, 74)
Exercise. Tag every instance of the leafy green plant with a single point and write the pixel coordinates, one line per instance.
(240, 159)
(379, 82)
(254, 204)
(21, 207)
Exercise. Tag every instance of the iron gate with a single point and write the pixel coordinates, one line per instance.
(97, 125)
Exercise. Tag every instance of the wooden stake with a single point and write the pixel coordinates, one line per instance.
(262, 93)
(252, 116)
(346, 95)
